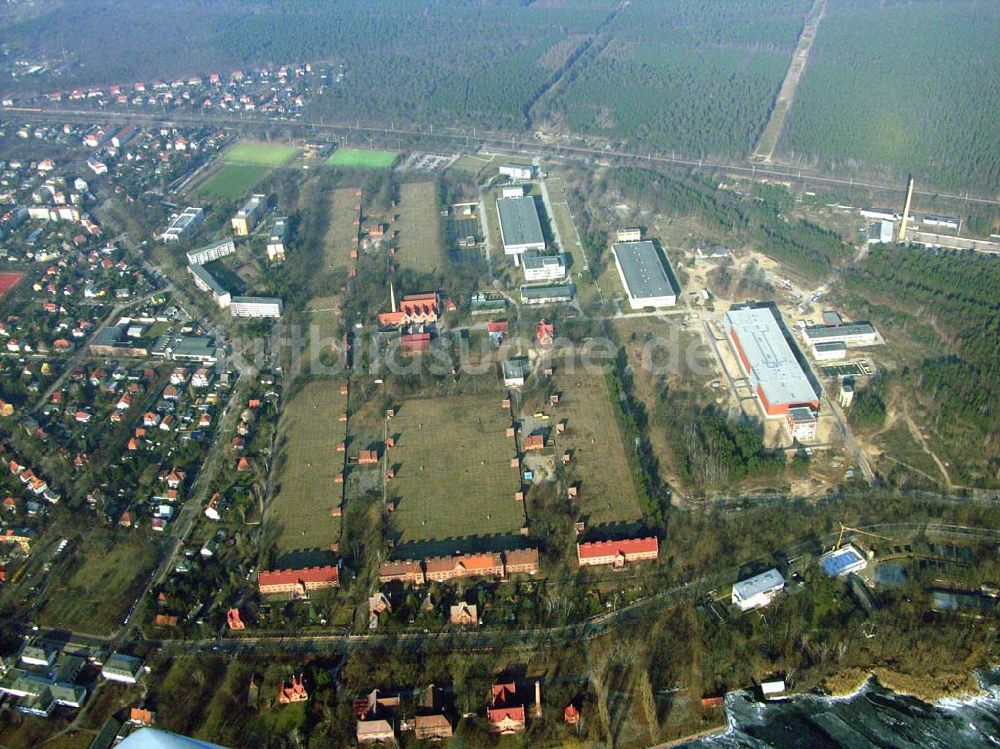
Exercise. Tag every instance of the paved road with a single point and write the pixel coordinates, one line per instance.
(556, 147)
(487, 240)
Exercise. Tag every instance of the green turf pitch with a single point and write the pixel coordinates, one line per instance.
(263, 154)
(358, 159)
(232, 181)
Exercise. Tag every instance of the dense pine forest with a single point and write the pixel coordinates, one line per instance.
(957, 389)
(908, 86)
(695, 77)
(446, 61)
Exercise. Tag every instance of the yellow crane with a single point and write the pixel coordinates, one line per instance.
(843, 528)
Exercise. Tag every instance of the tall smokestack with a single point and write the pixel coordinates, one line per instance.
(392, 297)
(538, 699)
(906, 212)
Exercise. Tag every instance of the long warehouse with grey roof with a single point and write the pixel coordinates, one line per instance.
(520, 229)
(775, 374)
(646, 274)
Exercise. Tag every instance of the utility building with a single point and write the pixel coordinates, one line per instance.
(646, 274)
(774, 373)
(758, 590)
(520, 229)
(517, 171)
(849, 334)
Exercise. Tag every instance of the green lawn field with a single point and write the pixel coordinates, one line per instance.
(233, 181)
(420, 236)
(342, 229)
(307, 466)
(599, 467)
(263, 154)
(356, 158)
(453, 486)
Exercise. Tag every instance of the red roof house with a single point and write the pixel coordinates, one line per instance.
(298, 581)
(617, 553)
(503, 715)
(413, 342)
(545, 333)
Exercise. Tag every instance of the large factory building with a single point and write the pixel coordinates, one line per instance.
(774, 373)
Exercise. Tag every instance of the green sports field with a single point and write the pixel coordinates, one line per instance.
(232, 181)
(356, 158)
(262, 154)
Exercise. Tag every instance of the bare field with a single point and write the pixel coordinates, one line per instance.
(421, 240)
(599, 465)
(472, 163)
(103, 577)
(453, 486)
(342, 231)
(307, 466)
(669, 356)
(324, 330)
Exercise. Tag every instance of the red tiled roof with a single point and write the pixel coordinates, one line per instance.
(534, 442)
(391, 318)
(415, 341)
(471, 562)
(405, 567)
(522, 556)
(596, 549)
(305, 575)
(497, 714)
(503, 692)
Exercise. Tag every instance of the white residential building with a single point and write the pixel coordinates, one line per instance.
(517, 171)
(205, 281)
(276, 240)
(758, 590)
(543, 267)
(256, 306)
(211, 252)
(122, 668)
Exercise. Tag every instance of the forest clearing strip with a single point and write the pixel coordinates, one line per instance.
(786, 94)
